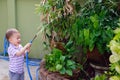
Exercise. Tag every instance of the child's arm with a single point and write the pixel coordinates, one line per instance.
(22, 51)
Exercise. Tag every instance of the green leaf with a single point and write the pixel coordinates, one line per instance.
(52, 69)
(58, 67)
(100, 77)
(117, 68)
(73, 66)
(62, 58)
(69, 44)
(118, 24)
(70, 62)
(62, 71)
(115, 77)
(91, 47)
(95, 20)
(86, 36)
(69, 72)
(114, 58)
(80, 66)
(117, 31)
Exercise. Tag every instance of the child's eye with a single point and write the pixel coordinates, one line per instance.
(18, 38)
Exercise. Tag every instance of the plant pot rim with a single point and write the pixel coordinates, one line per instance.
(98, 67)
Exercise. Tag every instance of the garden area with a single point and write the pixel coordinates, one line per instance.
(82, 39)
(79, 39)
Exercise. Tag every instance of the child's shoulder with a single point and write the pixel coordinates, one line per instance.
(20, 45)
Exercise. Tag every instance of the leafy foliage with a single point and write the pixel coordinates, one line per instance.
(93, 28)
(100, 77)
(83, 25)
(115, 57)
(58, 16)
(90, 26)
(56, 61)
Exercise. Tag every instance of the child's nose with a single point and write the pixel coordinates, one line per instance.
(19, 39)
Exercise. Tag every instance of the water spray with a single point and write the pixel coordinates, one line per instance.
(27, 61)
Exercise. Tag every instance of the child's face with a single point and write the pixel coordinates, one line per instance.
(15, 39)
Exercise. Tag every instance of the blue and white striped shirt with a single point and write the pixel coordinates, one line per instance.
(16, 63)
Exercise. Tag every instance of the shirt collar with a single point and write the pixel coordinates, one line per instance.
(14, 46)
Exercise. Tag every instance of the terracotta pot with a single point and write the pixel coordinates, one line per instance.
(97, 58)
(46, 75)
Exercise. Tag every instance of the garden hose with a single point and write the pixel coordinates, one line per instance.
(37, 78)
(3, 55)
(28, 69)
(27, 61)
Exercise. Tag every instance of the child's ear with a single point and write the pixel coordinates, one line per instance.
(9, 39)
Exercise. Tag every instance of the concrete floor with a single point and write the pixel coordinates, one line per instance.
(4, 71)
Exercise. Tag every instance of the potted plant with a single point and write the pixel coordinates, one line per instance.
(58, 16)
(114, 69)
(89, 27)
(59, 63)
(93, 29)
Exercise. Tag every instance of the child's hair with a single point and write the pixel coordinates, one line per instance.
(10, 32)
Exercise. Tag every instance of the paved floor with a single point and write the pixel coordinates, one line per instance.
(4, 71)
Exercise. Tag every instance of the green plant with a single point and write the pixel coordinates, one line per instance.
(114, 69)
(57, 62)
(66, 21)
(100, 77)
(93, 28)
(115, 57)
(58, 16)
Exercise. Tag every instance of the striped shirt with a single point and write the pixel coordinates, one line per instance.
(16, 63)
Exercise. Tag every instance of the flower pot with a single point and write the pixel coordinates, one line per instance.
(46, 75)
(99, 69)
(97, 58)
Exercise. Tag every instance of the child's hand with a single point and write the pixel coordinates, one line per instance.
(28, 50)
(28, 45)
(25, 49)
